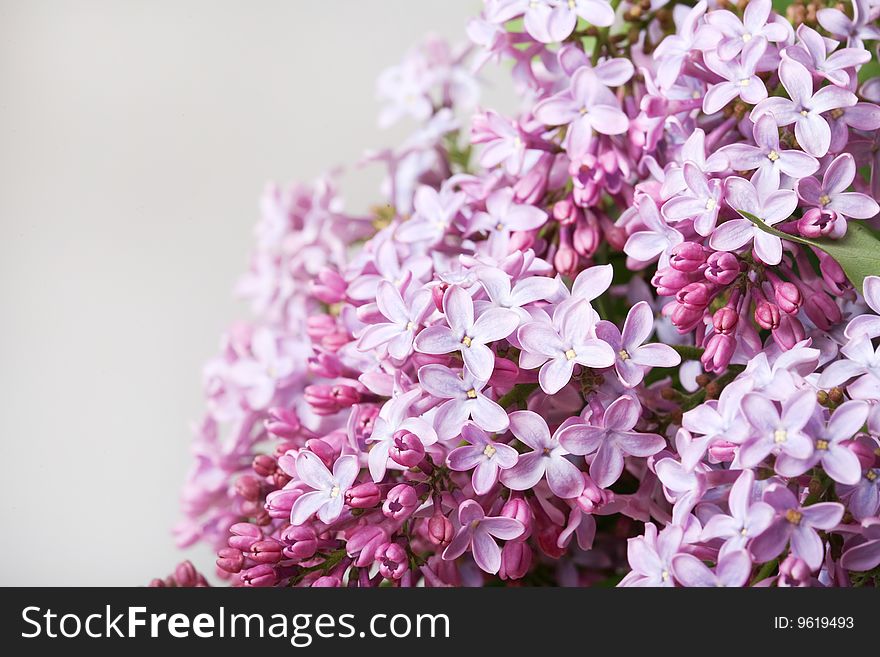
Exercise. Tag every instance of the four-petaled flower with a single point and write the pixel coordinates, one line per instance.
(328, 497)
(465, 399)
(478, 532)
(831, 194)
(775, 432)
(484, 456)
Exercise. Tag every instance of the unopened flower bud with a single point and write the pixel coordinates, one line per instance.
(722, 269)
(302, 542)
(363, 496)
(406, 449)
(400, 502)
(440, 530)
(392, 560)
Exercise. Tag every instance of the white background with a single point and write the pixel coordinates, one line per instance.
(135, 139)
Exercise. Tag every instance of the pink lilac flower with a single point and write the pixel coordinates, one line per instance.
(831, 194)
(504, 215)
(795, 524)
(748, 517)
(503, 293)
(464, 399)
(547, 458)
(484, 456)
(611, 440)
(861, 362)
(406, 320)
(633, 357)
(756, 24)
(864, 554)
(394, 418)
(738, 77)
(733, 569)
(468, 335)
(586, 106)
(814, 52)
(478, 532)
(568, 341)
(804, 108)
(770, 207)
(829, 446)
(328, 497)
(650, 557)
(701, 204)
(768, 158)
(867, 324)
(777, 432)
(856, 29)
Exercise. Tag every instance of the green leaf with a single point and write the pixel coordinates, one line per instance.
(858, 252)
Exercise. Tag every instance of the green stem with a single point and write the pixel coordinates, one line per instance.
(765, 572)
(517, 395)
(687, 352)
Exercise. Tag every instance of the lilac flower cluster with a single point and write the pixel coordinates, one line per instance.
(628, 335)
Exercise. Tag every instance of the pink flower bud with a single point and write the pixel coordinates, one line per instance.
(696, 295)
(719, 351)
(585, 238)
(323, 450)
(516, 558)
(302, 542)
(230, 560)
(317, 326)
(265, 551)
(248, 487)
(818, 222)
(687, 257)
(335, 341)
(279, 502)
(505, 374)
(186, 574)
(864, 452)
(789, 332)
(723, 451)
(363, 496)
(531, 187)
(363, 542)
(788, 297)
(725, 320)
(330, 399)
(685, 317)
(767, 315)
(723, 268)
(794, 571)
(440, 531)
(259, 576)
(669, 281)
(406, 449)
(392, 560)
(438, 293)
(328, 287)
(243, 535)
(327, 582)
(518, 509)
(400, 502)
(264, 465)
(283, 422)
(565, 212)
(832, 273)
(325, 365)
(565, 260)
(822, 310)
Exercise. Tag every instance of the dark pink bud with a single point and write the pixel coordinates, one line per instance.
(817, 222)
(565, 212)
(669, 281)
(363, 496)
(516, 558)
(719, 351)
(725, 320)
(248, 487)
(264, 465)
(325, 365)
(531, 187)
(283, 422)
(794, 571)
(767, 315)
(328, 287)
(406, 449)
(592, 498)
(695, 295)
(330, 399)
(548, 541)
(243, 535)
(302, 542)
(392, 560)
(323, 450)
(685, 317)
(788, 297)
(333, 342)
(266, 551)
(400, 502)
(279, 502)
(723, 268)
(440, 530)
(230, 560)
(832, 273)
(259, 576)
(565, 260)
(438, 293)
(723, 452)
(317, 326)
(518, 509)
(687, 257)
(864, 452)
(822, 310)
(789, 332)
(505, 374)
(363, 543)
(327, 582)
(186, 574)
(585, 238)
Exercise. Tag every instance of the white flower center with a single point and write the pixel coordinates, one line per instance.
(824, 200)
(334, 492)
(489, 451)
(570, 354)
(624, 354)
(466, 341)
(772, 156)
(710, 204)
(780, 436)
(744, 82)
(747, 37)
(472, 393)
(794, 516)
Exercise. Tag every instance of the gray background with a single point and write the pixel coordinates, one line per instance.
(135, 139)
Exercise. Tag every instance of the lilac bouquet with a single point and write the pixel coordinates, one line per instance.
(625, 337)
